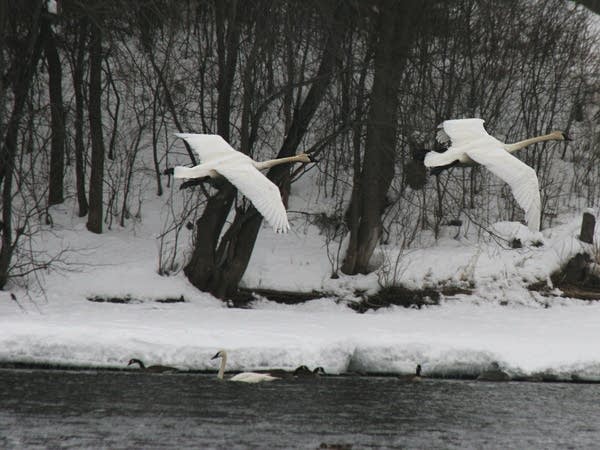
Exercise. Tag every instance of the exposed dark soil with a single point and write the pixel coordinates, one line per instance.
(401, 296)
(128, 299)
(397, 295)
(576, 279)
(244, 297)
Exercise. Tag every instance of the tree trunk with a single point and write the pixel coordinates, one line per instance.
(78, 71)
(202, 266)
(95, 215)
(57, 150)
(23, 76)
(588, 224)
(393, 43)
(236, 246)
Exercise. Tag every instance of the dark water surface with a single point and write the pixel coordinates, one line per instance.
(70, 409)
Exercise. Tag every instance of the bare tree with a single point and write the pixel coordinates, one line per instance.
(394, 39)
(25, 56)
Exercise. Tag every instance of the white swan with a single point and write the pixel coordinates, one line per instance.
(469, 143)
(244, 377)
(218, 158)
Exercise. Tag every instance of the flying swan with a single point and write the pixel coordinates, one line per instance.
(468, 143)
(218, 158)
(244, 377)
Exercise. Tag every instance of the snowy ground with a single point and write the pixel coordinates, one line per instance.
(502, 321)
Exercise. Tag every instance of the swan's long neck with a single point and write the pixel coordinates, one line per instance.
(221, 373)
(261, 165)
(534, 140)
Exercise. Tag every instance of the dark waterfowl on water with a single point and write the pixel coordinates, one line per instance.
(153, 369)
(414, 377)
(304, 371)
(494, 373)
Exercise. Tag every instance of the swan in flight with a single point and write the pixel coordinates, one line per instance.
(468, 143)
(244, 377)
(218, 158)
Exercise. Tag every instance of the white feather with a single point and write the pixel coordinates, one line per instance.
(244, 377)
(471, 143)
(218, 157)
(261, 191)
(521, 178)
(252, 377)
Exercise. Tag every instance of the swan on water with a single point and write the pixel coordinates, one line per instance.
(218, 158)
(244, 377)
(468, 143)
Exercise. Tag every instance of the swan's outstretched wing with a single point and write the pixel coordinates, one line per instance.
(460, 132)
(521, 178)
(261, 191)
(208, 146)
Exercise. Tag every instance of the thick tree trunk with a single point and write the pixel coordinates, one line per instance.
(57, 150)
(393, 42)
(236, 246)
(202, 267)
(95, 215)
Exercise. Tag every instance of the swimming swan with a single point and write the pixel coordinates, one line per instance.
(218, 158)
(470, 144)
(155, 369)
(244, 377)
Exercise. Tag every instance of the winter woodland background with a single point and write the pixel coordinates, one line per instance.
(90, 98)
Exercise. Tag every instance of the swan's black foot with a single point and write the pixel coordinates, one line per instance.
(169, 171)
(313, 159)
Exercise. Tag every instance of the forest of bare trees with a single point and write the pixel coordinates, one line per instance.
(91, 95)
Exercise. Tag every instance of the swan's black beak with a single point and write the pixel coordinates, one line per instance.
(169, 171)
(218, 355)
(313, 159)
(566, 137)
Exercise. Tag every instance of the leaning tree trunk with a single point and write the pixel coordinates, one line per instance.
(393, 43)
(96, 207)
(236, 246)
(201, 268)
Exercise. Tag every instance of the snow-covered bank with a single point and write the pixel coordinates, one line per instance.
(502, 321)
(457, 337)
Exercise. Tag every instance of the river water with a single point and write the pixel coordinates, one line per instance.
(104, 409)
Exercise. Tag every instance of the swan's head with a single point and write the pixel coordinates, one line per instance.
(220, 354)
(134, 361)
(306, 158)
(561, 136)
